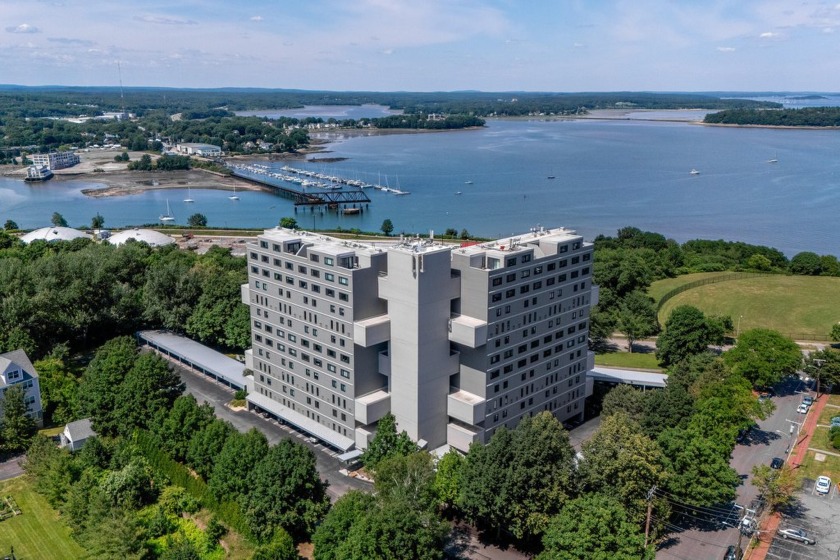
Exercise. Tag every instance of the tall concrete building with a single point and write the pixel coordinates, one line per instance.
(454, 341)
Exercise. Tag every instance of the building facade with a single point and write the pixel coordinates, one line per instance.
(55, 160)
(205, 150)
(454, 341)
(16, 369)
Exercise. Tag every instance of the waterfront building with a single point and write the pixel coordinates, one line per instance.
(151, 237)
(453, 341)
(55, 160)
(16, 369)
(36, 173)
(54, 233)
(204, 150)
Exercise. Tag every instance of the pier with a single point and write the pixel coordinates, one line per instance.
(348, 201)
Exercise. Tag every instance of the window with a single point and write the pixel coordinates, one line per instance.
(511, 277)
(313, 258)
(526, 273)
(497, 281)
(343, 297)
(328, 261)
(526, 258)
(496, 297)
(343, 280)
(511, 261)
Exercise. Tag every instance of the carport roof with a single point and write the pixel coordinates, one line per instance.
(195, 353)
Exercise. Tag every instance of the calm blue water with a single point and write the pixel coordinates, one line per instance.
(327, 112)
(609, 174)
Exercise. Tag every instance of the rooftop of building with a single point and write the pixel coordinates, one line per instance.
(53, 233)
(19, 358)
(151, 237)
(80, 429)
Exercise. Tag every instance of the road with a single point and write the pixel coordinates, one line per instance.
(207, 390)
(772, 439)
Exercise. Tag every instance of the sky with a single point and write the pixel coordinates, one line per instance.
(425, 45)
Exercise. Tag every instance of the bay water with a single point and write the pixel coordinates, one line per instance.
(495, 181)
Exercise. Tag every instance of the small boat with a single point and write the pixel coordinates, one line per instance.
(189, 196)
(233, 196)
(457, 193)
(694, 172)
(168, 217)
(551, 177)
(468, 182)
(773, 160)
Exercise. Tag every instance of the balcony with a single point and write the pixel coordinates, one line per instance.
(466, 407)
(374, 330)
(460, 437)
(246, 294)
(373, 406)
(468, 331)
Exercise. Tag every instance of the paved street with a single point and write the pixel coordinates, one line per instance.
(205, 389)
(771, 439)
(11, 468)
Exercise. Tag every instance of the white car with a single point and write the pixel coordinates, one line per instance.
(802, 408)
(823, 485)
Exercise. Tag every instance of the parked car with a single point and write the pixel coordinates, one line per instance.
(802, 409)
(808, 400)
(777, 463)
(733, 553)
(797, 535)
(823, 485)
(835, 422)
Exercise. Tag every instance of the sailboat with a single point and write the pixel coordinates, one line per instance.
(694, 172)
(773, 160)
(189, 196)
(168, 217)
(233, 196)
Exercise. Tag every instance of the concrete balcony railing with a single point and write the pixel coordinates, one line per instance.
(466, 407)
(385, 364)
(374, 330)
(460, 437)
(469, 331)
(372, 406)
(246, 294)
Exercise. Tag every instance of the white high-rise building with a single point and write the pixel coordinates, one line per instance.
(454, 341)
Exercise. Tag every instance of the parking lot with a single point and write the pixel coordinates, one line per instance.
(818, 515)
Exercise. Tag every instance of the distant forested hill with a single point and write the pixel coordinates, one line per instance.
(57, 101)
(810, 116)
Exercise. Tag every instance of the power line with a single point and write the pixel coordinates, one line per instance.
(711, 509)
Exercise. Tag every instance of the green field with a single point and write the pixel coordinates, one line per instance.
(801, 307)
(37, 534)
(628, 360)
(811, 468)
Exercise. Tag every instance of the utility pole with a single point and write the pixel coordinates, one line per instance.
(649, 511)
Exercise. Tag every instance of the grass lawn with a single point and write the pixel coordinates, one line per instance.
(811, 468)
(50, 432)
(38, 534)
(627, 360)
(828, 413)
(821, 441)
(800, 307)
(662, 287)
(835, 400)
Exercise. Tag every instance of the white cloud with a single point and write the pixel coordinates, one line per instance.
(828, 30)
(256, 18)
(23, 28)
(726, 49)
(163, 20)
(768, 35)
(388, 51)
(578, 45)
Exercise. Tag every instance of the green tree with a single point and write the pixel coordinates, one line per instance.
(142, 164)
(698, 467)
(759, 262)
(284, 490)
(197, 220)
(387, 226)
(777, 487)
(132, 486)
(595, 527)
(119, 535)
(824, 366)
(447, 485)
(408, 478)
(240, 455)
(59, 390)
(387, 443)
(395, 530)
(835, 332)
(621, 461)
(101, 381)
(335, 529)
(520, 478)
(636, 317)
(627, 400)
(18, 427)
(687, 332)
(10, 225)
(206, 445)
(149, 387)
(764, 357)
(176, 427)
(288, 222)
(58, 220)
(281, 547)
(806, 263)
(97, 222)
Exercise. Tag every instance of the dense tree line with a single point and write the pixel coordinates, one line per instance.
(120, 503)
(806, 116)
(81, 293)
